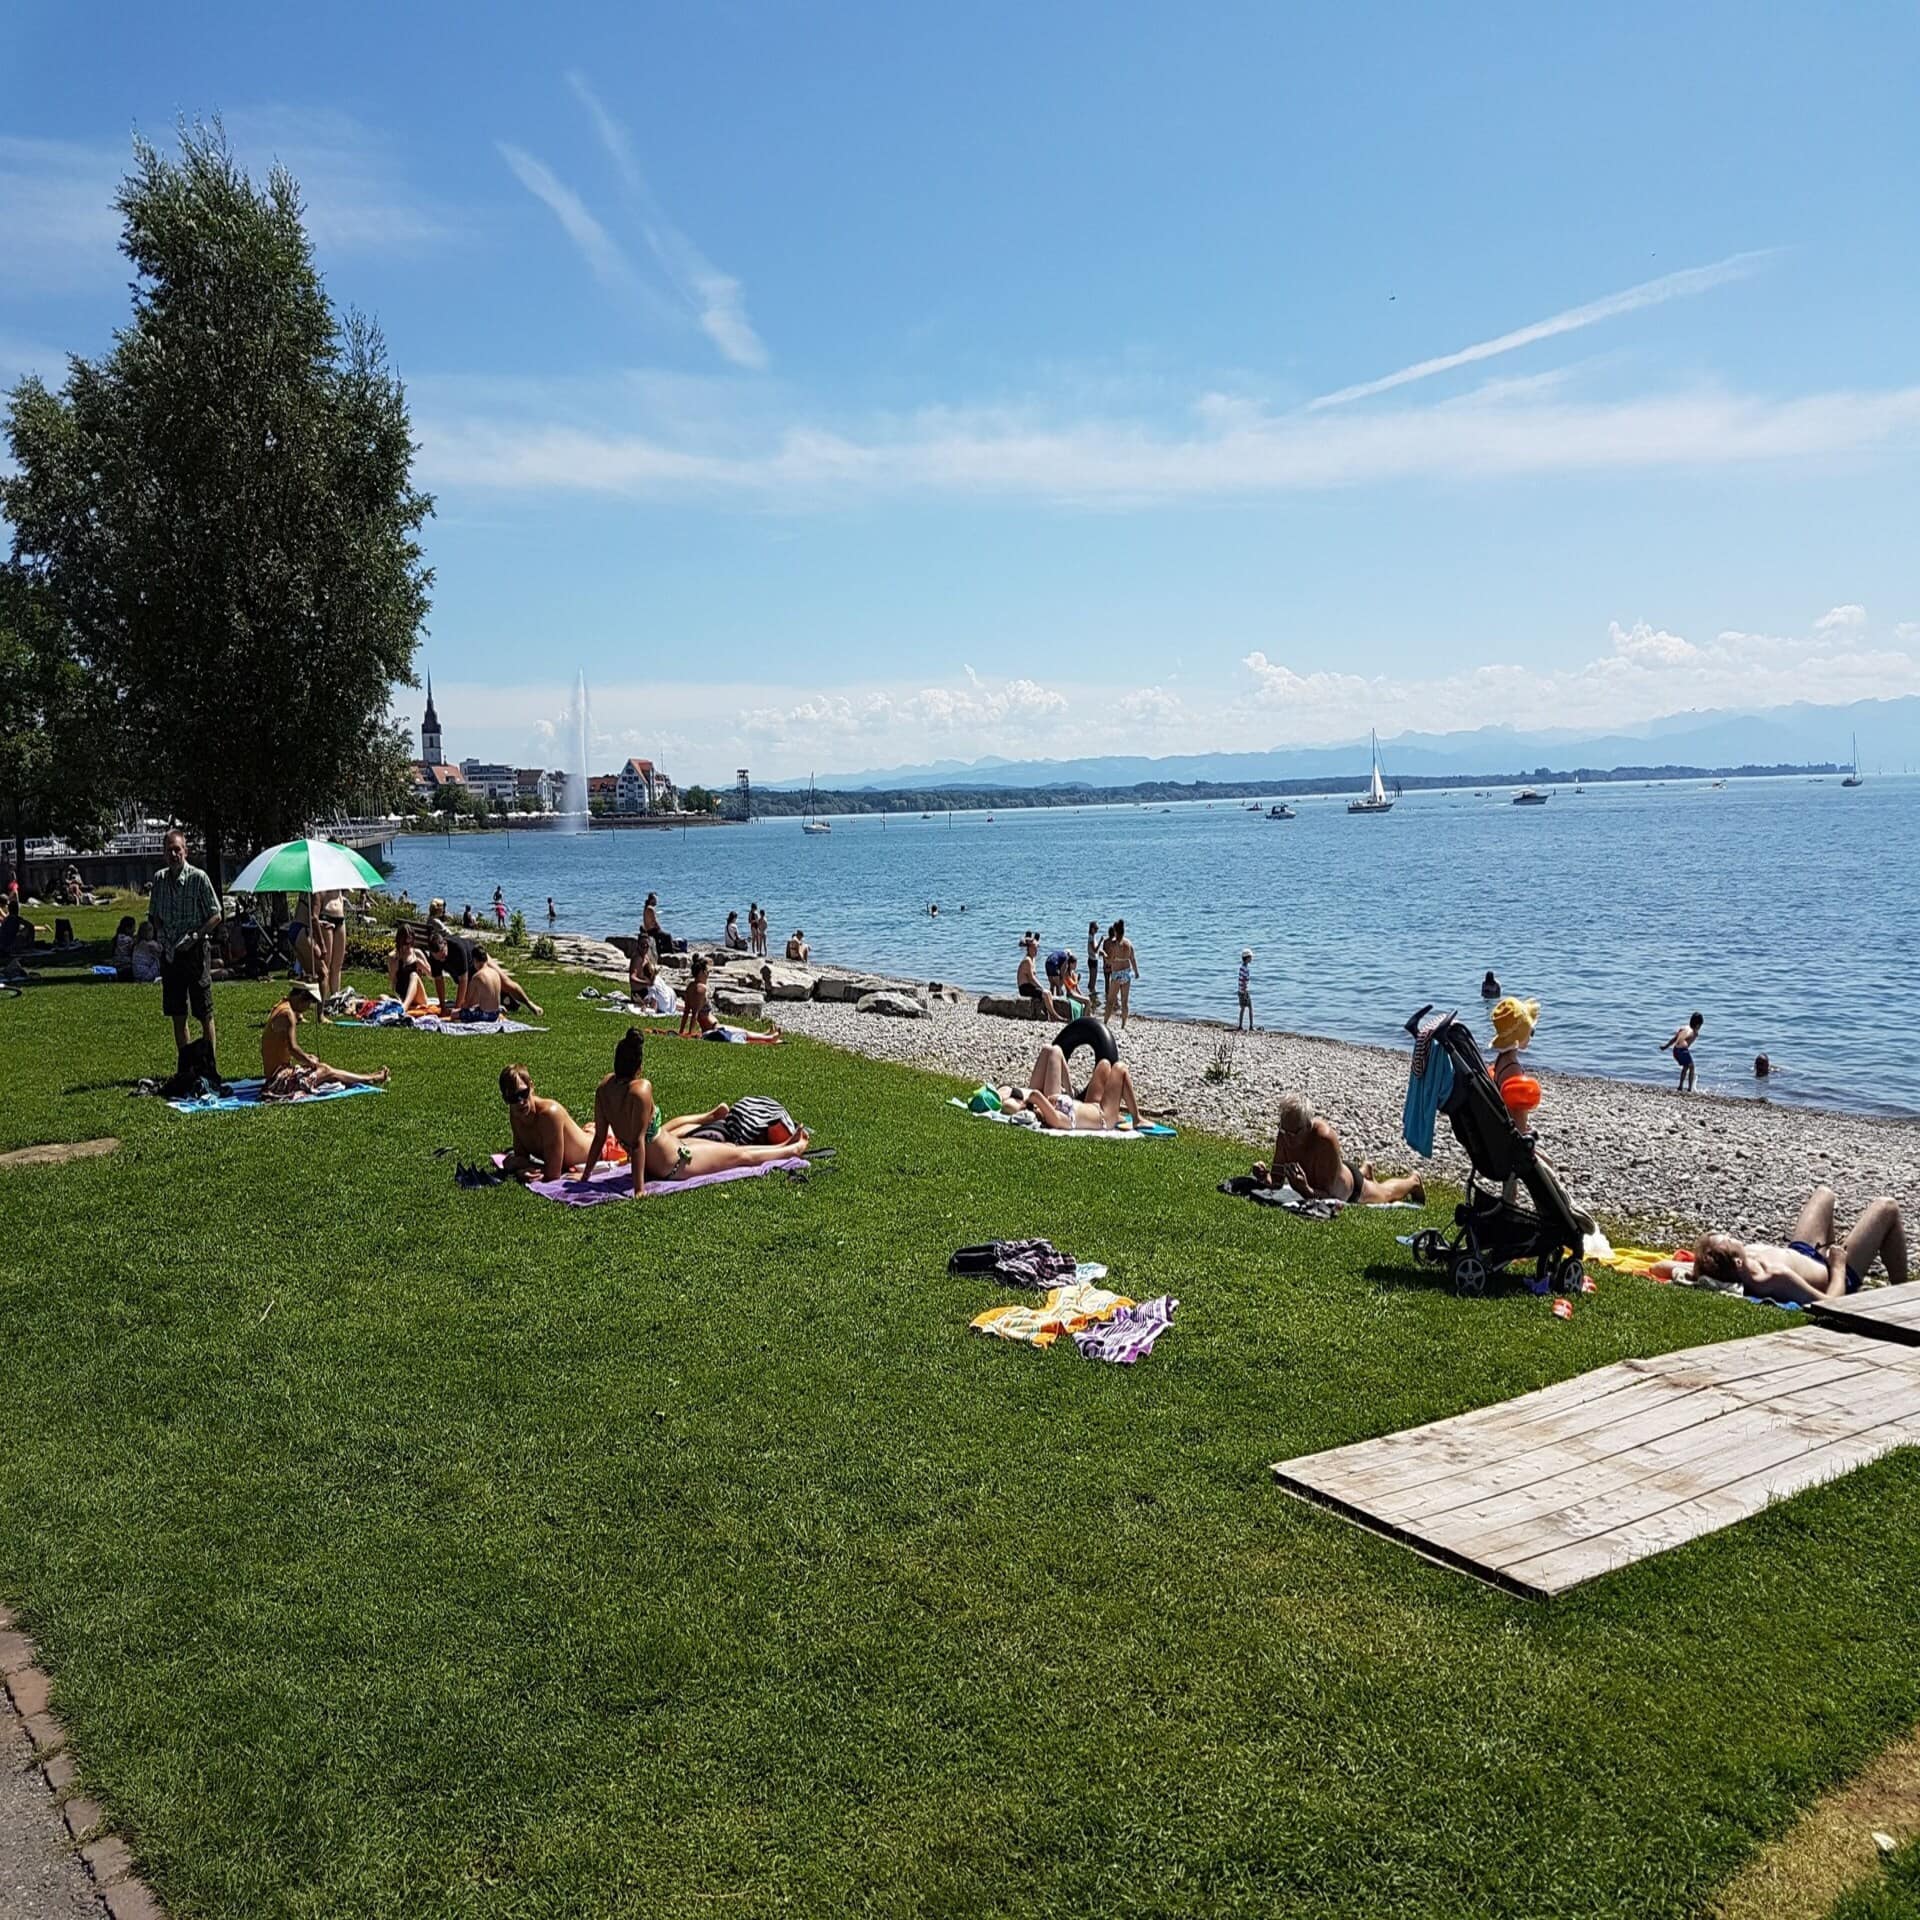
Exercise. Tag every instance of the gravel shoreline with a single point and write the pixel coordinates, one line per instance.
(1630, 1154)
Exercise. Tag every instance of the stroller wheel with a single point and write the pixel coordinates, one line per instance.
(1572, 1276)
(1469, 1275)
(1427, 1247)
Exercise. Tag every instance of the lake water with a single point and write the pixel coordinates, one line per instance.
(1784, 910)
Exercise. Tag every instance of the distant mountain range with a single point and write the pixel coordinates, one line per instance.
(1889, 732)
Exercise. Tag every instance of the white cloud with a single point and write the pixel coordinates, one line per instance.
(59, 232)
(1649, 293)
(716, 299)
(1001, 452)
(1840, 619)
(1644, 674)
(595, 245)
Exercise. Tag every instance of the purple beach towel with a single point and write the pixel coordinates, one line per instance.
(616, 1183)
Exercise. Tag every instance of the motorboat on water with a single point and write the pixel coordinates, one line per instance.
(1376, 798)
(1281, 811)
(1531, 797)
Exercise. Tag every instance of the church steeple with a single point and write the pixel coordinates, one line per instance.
(430, 730)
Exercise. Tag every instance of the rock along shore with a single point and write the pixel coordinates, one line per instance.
(1631, 1154)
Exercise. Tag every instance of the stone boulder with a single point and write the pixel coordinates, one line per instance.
(848, 986)
(628, 943)
(893, 1002)
(603, 957)
(784, 980)
(742, 1005)
(1012, 1006)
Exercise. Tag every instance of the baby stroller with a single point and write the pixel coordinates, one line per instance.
(1491, 1231)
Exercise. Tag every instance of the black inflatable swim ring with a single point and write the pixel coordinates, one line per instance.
(1085, 1032)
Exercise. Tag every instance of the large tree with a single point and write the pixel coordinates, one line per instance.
(60, 757)
(222, 512)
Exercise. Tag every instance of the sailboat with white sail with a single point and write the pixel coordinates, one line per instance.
(813, 823)
(1853, 779)
(1376, 799)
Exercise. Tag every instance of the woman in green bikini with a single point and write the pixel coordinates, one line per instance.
(624, 1107)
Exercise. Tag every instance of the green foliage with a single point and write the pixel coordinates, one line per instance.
(543, 948)
(692, 1555)
(517, 929)
(222, 512)
(60, 768)
(460, 802)
(697, 799)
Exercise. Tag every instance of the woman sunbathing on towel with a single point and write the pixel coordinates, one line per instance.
(624, 1108)
(547, 1140)
(1109, 1105)
(1308, 1156)
(288, 1068)
(1813, 1265)
(408, 973)
(697, 1015)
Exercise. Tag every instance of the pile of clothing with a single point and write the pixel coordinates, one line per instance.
(1105, 1325)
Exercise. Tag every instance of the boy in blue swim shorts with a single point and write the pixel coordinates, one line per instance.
(1681, 1047)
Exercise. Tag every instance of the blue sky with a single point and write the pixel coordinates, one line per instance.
(851, 385)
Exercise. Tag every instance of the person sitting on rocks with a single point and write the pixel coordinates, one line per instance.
(1308, 1157)
(1814, 1264)
(797, 948)
(1026, 982)
(733, 939)
(1108, 1105)
(548, 1142)
(289, 1069)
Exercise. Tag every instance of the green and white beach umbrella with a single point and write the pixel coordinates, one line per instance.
(305, 866)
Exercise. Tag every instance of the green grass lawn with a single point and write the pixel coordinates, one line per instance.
(404, 1550)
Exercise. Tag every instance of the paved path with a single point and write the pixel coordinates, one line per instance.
(40, 1876)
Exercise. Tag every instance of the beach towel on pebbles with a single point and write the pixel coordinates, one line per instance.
(1030, 1123)
(434, 1023)
(241, 1094)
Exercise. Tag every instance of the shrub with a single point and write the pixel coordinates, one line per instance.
(1220, 1068)
(369, 949)
(544, 949)
(517, 930)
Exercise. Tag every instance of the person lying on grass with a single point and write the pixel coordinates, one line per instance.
(289, 1070)
(1109, 1105)
(1308, 1157)
(624, 1109)
(1813, 1265)
(547, 1140)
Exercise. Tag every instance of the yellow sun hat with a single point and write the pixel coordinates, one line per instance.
(1513, 1022)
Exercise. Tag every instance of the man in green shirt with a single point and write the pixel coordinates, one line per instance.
(184, 910)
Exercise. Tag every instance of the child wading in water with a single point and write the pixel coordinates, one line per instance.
(1681, 1046)
(1246, 989)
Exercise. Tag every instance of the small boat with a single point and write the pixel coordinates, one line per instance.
(1375, 799)
(813, 823)
(1531, 797)
(1853, 779)
(1281, 811)
(1719, 786)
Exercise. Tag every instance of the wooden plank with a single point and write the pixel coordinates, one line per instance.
(1671, 1472)
(1567, 1408)
(1550, 1489)
(1885, 1313)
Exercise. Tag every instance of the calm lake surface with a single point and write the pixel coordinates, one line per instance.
(1784, 910)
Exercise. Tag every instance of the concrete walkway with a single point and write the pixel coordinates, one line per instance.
(41, 1877)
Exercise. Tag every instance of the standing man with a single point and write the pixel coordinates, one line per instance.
(184, 910)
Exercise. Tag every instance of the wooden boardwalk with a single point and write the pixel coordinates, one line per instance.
(1541, 1493)
(1888, 1313)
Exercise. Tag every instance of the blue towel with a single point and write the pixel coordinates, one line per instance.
(246, 1093)
(107, 973)
(1425, 1093)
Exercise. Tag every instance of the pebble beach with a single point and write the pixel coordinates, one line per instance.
(1635, 1156)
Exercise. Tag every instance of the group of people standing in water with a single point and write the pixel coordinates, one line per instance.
(1062, 993)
